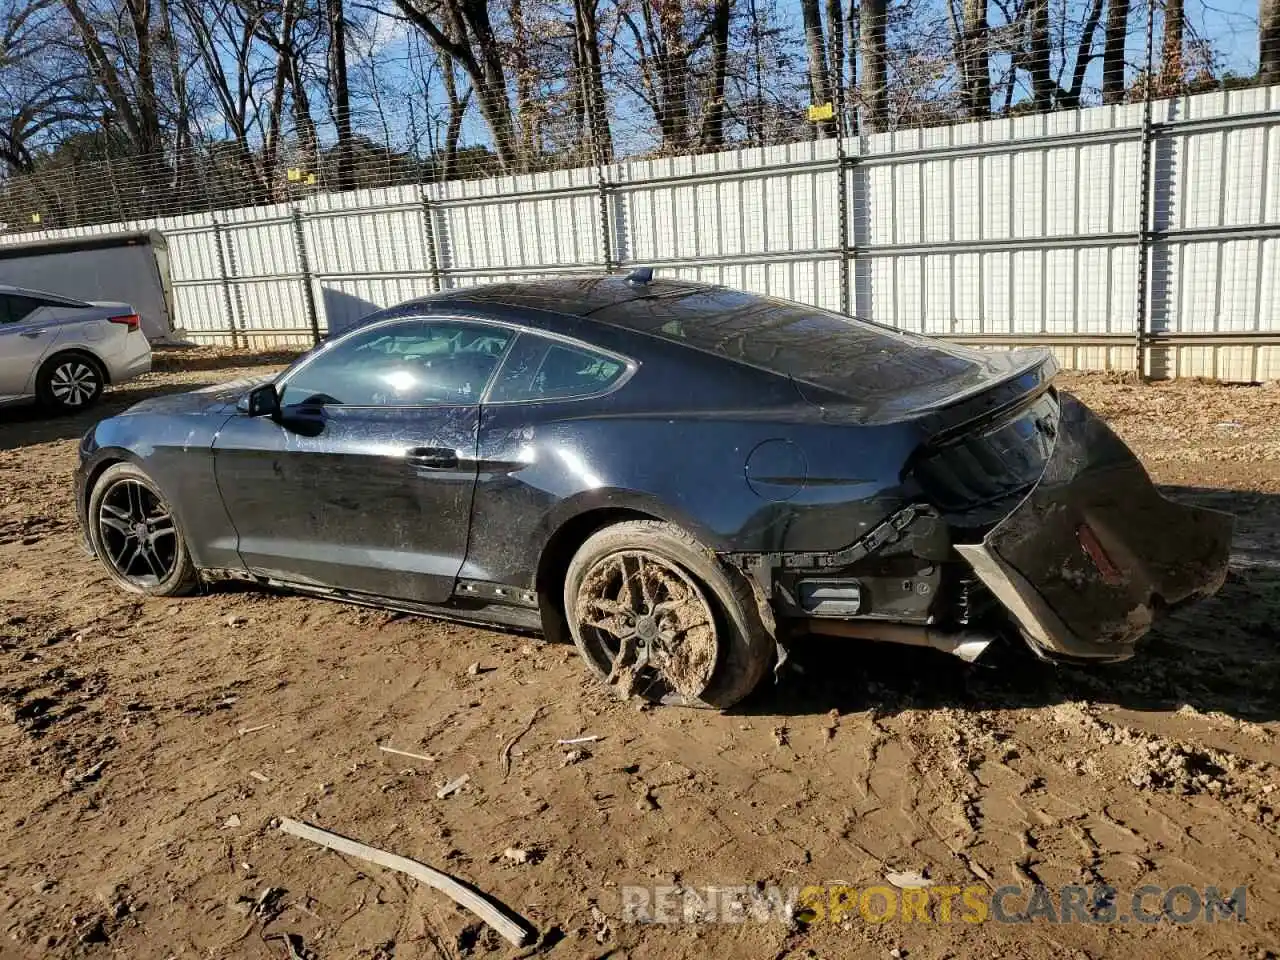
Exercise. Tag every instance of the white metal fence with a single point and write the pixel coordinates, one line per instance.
(1020, 230)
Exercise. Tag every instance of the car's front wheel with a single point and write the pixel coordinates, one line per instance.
(70, 381)
(136, 536)
(655, 614)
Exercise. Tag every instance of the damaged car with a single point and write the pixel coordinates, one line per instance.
(677, 477)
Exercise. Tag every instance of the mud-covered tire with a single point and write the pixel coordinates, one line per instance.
(171, 573)
(69, 381)
(743, 642)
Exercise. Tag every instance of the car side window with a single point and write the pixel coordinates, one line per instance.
(538, 368)
(412, 363)
(15, 309)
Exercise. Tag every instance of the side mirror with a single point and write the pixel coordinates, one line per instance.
(262, 401)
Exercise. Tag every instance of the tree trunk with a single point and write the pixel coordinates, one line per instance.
(1171, 68)
(594, 103)
(337, 23)
(975, 64)
(815, 45)
(873, 17)
(711, 136)
(1070, 99)
(275, 114)
(1269, 41)
(1042, 85)
(1113, 62)
(457, 110)
(851, 45)
(468, 39)
(304, 124)
(673, 73)
(145, 77)
(526, 109)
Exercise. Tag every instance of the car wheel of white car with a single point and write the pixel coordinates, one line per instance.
(70, 381)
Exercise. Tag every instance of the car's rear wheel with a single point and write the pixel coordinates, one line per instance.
(136, 535)
(655, 614)
(70, 381)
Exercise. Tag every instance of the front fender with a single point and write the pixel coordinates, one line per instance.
(176, 452)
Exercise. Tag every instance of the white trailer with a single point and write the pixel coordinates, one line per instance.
(130, 267)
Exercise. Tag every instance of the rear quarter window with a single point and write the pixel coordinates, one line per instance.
(538, 368)
(14, 309)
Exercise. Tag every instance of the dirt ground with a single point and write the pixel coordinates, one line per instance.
(146, 746)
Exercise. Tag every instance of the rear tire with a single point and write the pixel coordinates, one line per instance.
(656, 614)
(70, 381)
(135, 534)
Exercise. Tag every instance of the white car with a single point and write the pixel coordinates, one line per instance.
(63, 352)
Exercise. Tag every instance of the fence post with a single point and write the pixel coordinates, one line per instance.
(429, 238)
(304, 265)
(842, 202)
(606, 233)
(225, 256)
(1144, 208)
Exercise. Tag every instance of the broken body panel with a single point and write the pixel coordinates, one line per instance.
(1095, 552)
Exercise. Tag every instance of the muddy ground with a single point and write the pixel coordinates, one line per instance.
(146, 746)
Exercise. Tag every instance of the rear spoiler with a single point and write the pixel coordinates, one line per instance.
(1021, 386)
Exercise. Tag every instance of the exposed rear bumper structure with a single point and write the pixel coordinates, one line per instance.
(1094, 553)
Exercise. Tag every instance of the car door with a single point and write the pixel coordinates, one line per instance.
(364, 480)
(25, 337)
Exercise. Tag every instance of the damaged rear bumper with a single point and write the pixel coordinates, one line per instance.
(1094, 553)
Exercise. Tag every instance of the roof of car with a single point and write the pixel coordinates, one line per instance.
(9, 289)
(575, 296)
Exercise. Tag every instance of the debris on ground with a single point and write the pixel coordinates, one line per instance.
(908, 880)
(405, 753)
(504, 756)
(453, 786)
(571, 757)
(512, 928)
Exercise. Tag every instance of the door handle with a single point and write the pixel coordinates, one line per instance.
(32, 334)
(433, 458)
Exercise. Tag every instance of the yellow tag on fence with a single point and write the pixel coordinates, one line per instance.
(821, 111)
(294, 174)
(35, 218)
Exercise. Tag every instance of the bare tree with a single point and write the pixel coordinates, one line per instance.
(1171, 65)
(1269, 41)
(873, 18)
(336, 21)
(122, 65)
(1070, 98)
(711, 134)
(816, 49)
(463, 30)
(974, 58)
(1042, 83)
(1113, 59)
(591, 75)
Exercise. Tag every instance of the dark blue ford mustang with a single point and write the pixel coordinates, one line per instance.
(677, 476)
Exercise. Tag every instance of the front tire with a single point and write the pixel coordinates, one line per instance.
(135, 534)
(70, 381)
(656, 614)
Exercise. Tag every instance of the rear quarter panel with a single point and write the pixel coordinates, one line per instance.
(674, 443)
